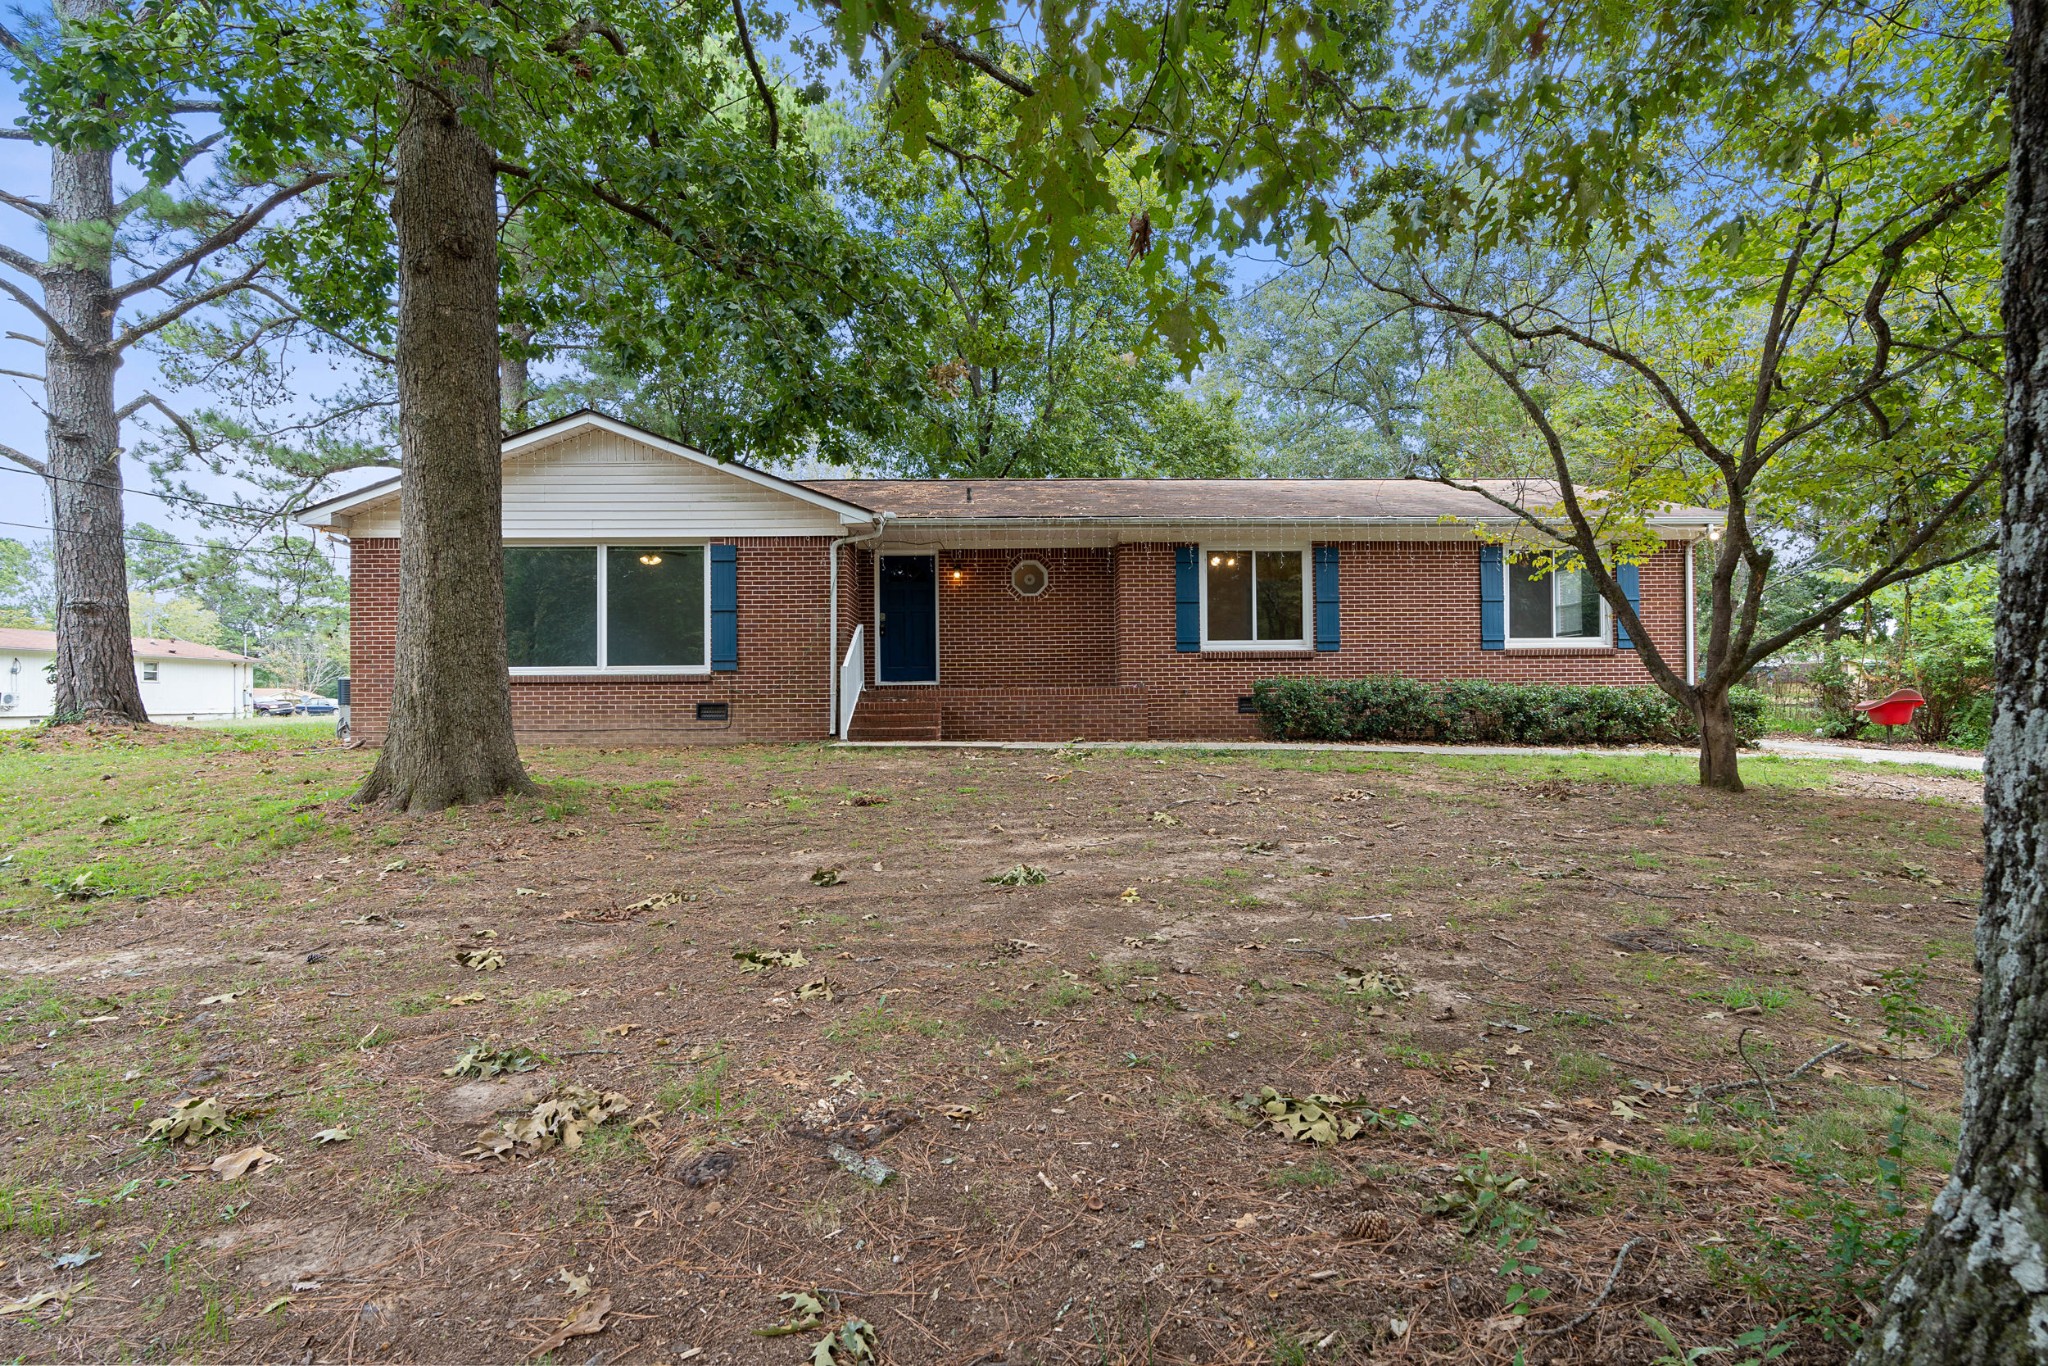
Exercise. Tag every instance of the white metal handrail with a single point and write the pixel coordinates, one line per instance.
(852, 677)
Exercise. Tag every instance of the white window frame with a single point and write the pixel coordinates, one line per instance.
(1308, 594)
(1603, 641)
(150, 672)
(602, 549)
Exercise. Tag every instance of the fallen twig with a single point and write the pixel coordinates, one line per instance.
(1722, 1088)
(1769, 1099)
(1613, 1274)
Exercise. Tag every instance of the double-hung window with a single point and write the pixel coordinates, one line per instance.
(1252, 598)
(616, 608)
(1554, 607)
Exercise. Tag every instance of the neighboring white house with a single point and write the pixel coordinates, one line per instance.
(181, 681)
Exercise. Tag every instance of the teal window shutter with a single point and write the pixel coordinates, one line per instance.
(1630, 577)
(725, 609)
(1187, 598)
(1493, 599)
(1326, 597)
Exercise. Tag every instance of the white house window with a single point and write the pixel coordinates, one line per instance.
(1559, 606)
(149, 671)
(1252, 597)
(586, 608)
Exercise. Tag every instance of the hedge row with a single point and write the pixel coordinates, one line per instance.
(1476, 712)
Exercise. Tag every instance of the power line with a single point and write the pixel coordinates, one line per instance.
(241, 510)
(312, 550)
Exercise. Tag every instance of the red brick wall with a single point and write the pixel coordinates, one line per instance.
(1404, 607)
(1093, 657)
(778, 693)
(372, 634)
(990, 637)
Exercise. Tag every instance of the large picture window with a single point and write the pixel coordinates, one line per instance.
(1252, 597)
(606, 607)
(1553, 605)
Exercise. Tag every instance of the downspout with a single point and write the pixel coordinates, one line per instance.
(1692, 628)
(832, 660)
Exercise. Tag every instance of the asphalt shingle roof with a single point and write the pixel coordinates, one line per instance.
(1197, 500)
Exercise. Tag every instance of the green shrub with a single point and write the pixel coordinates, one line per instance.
(1472, 711)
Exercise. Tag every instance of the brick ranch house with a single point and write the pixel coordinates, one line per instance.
(656, 595)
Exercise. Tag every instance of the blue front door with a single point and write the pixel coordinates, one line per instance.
(909, 626)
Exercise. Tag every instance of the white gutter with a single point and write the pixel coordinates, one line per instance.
(882, 521)
(913, 520)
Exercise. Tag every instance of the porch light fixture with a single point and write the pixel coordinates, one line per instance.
(650, 559)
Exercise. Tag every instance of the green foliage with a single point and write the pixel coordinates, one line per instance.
(282, 597)
(1487, 1200)
(1907, 1016)
(1391, 708)
(1273, 101)
(1862, 1241)
(1753, 1348)
(26, 585)
(1942, 645)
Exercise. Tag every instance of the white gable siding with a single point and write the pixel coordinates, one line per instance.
(598, 485)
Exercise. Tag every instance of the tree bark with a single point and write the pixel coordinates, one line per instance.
(450, 739)
(1720, 765)
(96, 678)
(1976, 1289)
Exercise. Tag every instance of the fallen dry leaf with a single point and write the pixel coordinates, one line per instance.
(35, 1300)
(236, 1165)
(581, 1324)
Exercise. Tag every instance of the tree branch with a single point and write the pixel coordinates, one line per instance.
(131, 335)
(148, 400)
(760, 82)
(936, 36)
(226, 237)
(1894, 570)
(40, 314)
(1442, 303)
(191, 154)
(964, 156)
(23, 262)
(1585, 539)
(23, 374)
(27, 206)
(257, 287)
(27, 462)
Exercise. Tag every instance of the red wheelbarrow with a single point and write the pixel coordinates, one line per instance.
(1895, 710)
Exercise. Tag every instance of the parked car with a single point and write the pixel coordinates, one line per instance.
(276, 706)
(319, 706)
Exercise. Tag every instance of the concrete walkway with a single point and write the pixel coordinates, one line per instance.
(1791, 749)
(1820, 749)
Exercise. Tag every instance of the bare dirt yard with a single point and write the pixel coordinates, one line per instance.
(802, 1054)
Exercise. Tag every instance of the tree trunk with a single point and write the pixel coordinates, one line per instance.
(450, 739)
(1719, 764)
(1976, 1289)
(96, 678)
